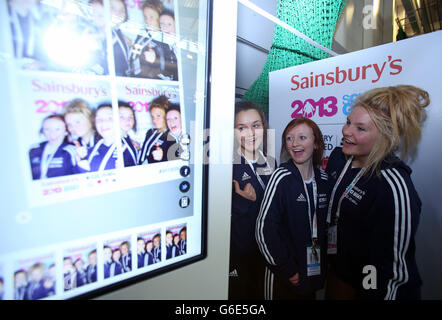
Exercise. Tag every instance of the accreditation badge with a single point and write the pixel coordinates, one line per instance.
(313, 261)
(332, 240)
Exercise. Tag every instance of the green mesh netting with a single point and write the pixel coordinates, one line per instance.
(317, 20)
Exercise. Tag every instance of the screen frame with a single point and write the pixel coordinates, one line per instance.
(205, 183)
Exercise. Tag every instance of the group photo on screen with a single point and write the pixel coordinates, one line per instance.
(71, 36)
(79, 267)
(148, 248)
(35, 279)
(146, 52)
(117, 257)
(84, 139)
(176, 241)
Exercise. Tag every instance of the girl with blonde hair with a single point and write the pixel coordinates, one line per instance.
(374, 208)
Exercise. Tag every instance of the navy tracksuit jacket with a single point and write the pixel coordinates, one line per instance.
(283, 230)
(377, 225)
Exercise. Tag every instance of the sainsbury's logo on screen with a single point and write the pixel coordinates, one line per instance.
(54, 86)
(373, 72)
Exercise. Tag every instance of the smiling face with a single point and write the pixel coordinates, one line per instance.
(151, 18)
(173, 119)
(167, 24)
(300, 144)
(54, 130)
(127, 120)
(107, 253)
(116, 255)
(104, 123)
(158, 118)
(249, 131)
(169, 238)
(78, 124)
(359, 135)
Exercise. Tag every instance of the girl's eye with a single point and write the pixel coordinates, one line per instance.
(361, 129)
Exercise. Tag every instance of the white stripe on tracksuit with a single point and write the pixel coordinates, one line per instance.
(277, 175)
(402, 217)
(268, 284)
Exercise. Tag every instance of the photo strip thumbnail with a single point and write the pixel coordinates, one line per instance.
(117, 257)
(176, 241)
(79, 266)
(148, 248)
(35, 278)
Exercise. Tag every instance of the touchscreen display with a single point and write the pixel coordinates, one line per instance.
(103, 165)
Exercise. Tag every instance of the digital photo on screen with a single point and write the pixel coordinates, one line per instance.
(148, 248)
(79, 266)
(144, 38)
(117, 257)
(176, 241)
(35, 278)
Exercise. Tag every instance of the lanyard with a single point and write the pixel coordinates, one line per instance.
(121, 42)
(129, 148)
(46, 160)
(347, 190)
(254, 171)
(106, 157)
(313, 223)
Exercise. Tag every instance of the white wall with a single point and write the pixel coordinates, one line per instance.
(207, 279)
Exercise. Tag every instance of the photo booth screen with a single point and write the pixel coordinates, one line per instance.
(103, 168)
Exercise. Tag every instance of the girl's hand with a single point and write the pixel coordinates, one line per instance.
(248, 192)
(157, 154)
(295, 279)
(81, 151)
(150, 55)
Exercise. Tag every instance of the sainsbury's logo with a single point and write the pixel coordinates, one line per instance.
(372, 72)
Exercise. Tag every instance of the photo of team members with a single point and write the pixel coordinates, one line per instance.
(176, 241)
(60, 35)
(35, 279)
(161, 142)
(82, 139)
(53, 157)
(148, 248)
(150, 52)
(117, 257)
(128, 123)
(75, 141)
(79, 267)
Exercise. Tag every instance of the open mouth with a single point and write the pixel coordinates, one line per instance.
(347, 141)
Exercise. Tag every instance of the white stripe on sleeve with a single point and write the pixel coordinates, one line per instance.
(402, 230)
(267, 200)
